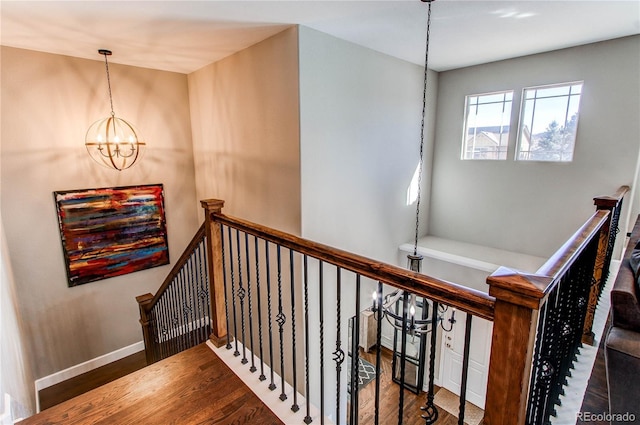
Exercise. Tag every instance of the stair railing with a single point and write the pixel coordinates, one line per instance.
(269, 298)
(540, 320)
(178, 316)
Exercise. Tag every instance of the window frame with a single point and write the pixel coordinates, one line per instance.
(505, 123)
(521, 117)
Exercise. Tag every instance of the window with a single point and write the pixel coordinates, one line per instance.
(548, 123)
(486, 125)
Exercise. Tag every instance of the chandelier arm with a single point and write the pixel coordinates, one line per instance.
(424, 111)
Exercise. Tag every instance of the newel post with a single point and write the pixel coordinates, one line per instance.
(613, 204)
(216, 278)
(143, 302)
(518, 299)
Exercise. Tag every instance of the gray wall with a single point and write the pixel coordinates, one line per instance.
(504, 204)
(360, 117)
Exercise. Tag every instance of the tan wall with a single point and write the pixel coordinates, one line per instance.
(48, 102)
(246, 140)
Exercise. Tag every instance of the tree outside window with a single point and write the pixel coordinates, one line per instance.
(549, 122)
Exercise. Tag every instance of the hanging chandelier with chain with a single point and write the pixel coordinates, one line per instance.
(112, 141)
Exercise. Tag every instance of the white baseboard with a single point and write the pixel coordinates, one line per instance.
(81, 368)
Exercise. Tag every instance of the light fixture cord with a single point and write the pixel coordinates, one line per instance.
(424, 111)
(106, 64)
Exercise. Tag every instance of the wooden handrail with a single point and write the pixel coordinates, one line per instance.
(605, 201)
(518, 300)
(458, 296)
(562, 259)
(197, 238)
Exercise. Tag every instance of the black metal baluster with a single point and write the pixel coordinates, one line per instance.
(233, 295)
(202, 305)
(193, 298)
(321, 277)
(226, 293)
(294, 406)
(257, 257)
(430, 410)
(188, 306)
(338, 354)
(378, 351)
(280, 319)
(164, 336)
(403, 356)
(241, 295)
(355, 358)
(465, 369)
(272, 385)
(307, 418)
(196, 323)
(175, 307)
(246, 246)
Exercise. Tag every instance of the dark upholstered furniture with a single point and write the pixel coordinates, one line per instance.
(622, 347)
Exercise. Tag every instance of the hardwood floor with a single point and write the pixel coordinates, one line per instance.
(595, 400)
(192, 387)
(81, 384)
(389, 392)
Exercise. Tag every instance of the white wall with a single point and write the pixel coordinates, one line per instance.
(16, 376)
(48, 102)
(504, 204)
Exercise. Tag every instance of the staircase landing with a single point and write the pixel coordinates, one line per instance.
(194, 386)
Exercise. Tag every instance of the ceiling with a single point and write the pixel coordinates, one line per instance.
(183, 36)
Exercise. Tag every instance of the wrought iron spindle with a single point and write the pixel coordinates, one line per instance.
(224, 281)
(233, 295)
(338, 354)
(294, 406)
(196, 323)
(272, 385)
(241, 296)
(259, 292)
(280, 319)
(321, 295)
(403, 356)
(246, 247)
(378, 318)
(430, 410)
(203, 292)
(187, 309)
(355, 357)
(305, 289)
(465, 369)
(175, 307)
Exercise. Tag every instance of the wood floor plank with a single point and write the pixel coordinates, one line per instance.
(193, 387)
(87, 381)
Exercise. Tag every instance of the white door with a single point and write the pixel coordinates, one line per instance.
(479, 354)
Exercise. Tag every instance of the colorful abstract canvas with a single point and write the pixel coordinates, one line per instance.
(112, 231)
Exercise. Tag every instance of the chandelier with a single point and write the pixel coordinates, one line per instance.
(112, 141)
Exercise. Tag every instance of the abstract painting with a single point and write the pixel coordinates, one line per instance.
(109, 232)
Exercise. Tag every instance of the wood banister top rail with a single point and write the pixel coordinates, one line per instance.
(611, 201)
(531, 289)
(177, 267)
(460, 297)
(566, 255)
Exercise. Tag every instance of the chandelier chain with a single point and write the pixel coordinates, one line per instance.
(424, 111)
(106, 64)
